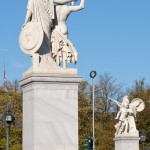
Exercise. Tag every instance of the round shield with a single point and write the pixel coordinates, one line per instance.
(138, 103)
(31, 37)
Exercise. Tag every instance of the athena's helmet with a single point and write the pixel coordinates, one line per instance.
(125, 100)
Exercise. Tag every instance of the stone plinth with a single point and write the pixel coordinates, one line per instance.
(127, 142)
(50, 112)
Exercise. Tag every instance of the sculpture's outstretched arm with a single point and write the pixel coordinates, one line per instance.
(119, 105)
(79, 7)
(62, 1)
(28, 17)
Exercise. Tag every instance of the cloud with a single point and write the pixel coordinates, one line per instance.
(19, 65)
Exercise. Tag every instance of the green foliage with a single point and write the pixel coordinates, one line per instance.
(141, 90)
(105, 112)
(85, 115)
(15, 98)
(104, 122)
(104, 118)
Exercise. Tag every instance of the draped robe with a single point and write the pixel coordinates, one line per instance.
(43, 13)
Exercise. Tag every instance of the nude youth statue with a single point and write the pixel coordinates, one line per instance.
(62, 48)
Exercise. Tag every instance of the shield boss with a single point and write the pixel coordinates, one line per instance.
(31, 38)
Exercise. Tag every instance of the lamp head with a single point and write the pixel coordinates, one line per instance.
(93, 74)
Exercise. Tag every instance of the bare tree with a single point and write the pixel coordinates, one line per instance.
(107, 88)
(12, 86)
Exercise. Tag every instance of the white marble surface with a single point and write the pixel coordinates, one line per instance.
(127, 115)
(50, 113)
(127, 142)
(40, 20)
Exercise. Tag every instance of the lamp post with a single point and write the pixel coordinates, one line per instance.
(8, 118)
(93, 75)
(143, 139)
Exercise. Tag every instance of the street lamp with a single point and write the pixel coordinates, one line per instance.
(8, 118)
(93, 75)
(143, 139)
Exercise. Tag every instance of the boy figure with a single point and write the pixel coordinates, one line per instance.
(62, 48)
(61, 14)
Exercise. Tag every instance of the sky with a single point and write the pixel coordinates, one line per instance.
(110, 36)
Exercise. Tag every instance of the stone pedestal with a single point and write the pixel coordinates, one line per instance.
(127, 142)
(50, 111)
